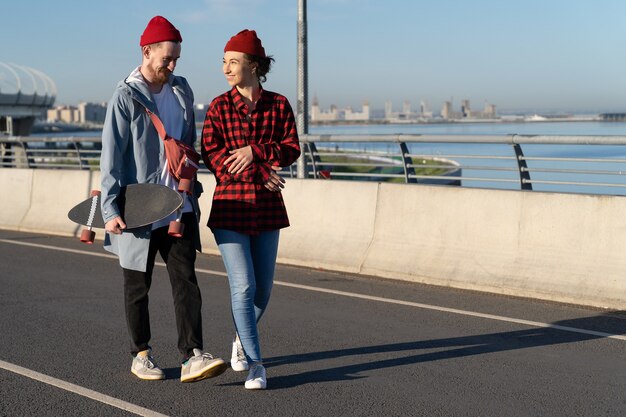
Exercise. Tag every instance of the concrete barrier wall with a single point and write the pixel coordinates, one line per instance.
(560, 247)
(15, 191)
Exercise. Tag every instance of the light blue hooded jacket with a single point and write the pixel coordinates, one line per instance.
(133, 153)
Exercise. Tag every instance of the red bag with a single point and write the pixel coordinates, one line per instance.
(182, 160)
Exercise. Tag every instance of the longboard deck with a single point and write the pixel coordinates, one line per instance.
(139, 204)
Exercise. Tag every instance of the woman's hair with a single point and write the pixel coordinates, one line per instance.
(262, 65)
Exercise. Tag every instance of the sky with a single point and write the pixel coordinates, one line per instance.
(525, 55)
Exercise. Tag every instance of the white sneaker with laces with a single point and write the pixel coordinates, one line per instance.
(144, 367)
(238, 359)
(257, 379)
(200, 366)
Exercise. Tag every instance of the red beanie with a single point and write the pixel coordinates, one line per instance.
(247, 42)
(159, 29)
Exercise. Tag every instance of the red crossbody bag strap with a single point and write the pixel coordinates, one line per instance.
(182, 159)
(157, 124)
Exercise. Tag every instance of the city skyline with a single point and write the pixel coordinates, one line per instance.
(535, 56)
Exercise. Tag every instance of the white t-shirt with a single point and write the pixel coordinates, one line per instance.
(171, 114)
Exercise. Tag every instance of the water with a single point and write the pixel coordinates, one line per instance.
(520, 128)
(535, 128)
(608, 172)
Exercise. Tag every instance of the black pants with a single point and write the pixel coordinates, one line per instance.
(179, 254)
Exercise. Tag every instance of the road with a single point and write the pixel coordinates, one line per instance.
(334, 344)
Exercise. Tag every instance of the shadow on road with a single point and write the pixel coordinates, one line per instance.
(449, 348)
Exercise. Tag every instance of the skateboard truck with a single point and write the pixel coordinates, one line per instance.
(176, 226)
(185, 186)
(88, 235)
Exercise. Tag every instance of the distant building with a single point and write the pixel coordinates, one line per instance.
(407, 114)
(92, 112)
(318, 115)
(363, 115)
(388, 110)
(84, 113)
(406, 107)
(65, 114)
(490, 111)
(446, 110)
(424, 111)
(466, 112)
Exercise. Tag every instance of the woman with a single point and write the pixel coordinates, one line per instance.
(249, 134)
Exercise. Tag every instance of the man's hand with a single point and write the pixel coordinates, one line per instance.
(275, 182)
(239, 159)
(115, 226)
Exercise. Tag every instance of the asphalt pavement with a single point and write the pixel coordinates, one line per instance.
(333, 343)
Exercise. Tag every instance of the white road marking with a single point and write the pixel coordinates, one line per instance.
(369, 297)
(37, 245)
(67, 386)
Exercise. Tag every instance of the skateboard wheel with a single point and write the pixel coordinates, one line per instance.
(87, 236)
(184, 185)
(176, 229)
(94, 193)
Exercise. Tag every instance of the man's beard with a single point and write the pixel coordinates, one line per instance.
(161, 76)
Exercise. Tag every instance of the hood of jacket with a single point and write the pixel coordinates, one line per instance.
(137, 88)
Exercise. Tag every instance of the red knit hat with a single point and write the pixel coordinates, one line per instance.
(247, 42)
(159, 29)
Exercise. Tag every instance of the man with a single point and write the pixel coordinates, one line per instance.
(132, 152)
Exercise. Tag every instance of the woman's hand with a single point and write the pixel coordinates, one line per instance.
(239, 159)
(275, 182)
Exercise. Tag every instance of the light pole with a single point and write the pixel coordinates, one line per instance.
(302, 120)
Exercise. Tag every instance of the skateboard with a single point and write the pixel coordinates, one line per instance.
(139, 205)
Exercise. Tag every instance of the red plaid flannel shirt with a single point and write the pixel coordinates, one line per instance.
(241, 202)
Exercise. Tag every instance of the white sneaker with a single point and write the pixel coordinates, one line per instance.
(238, 359)
(145, 367)
(200, 366)
(256, 377)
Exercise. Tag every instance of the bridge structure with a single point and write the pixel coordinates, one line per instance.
(25, 95)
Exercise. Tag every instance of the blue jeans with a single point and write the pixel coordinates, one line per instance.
(250, 261)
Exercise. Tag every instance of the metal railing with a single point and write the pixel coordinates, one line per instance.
(587, 164)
